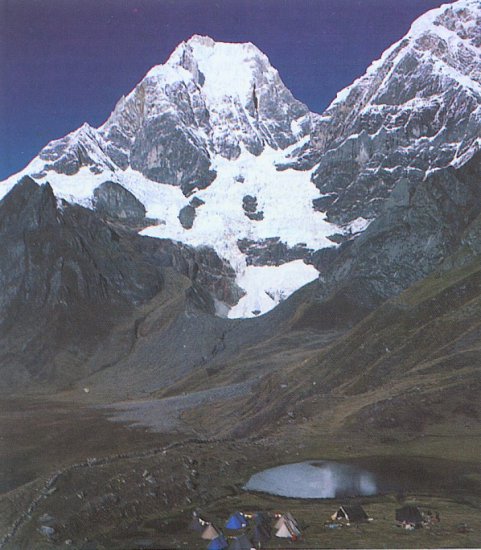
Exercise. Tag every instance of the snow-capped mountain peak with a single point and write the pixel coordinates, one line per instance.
(222, 155)
(209, 98)
(415, 110)
(221, 69)
(215, 120)
(221, 96)
(450, 33)
(226, 70)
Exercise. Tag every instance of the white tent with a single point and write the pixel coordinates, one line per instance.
(210, 532)
(287, 530)
(289, 518)
(279, 523)
(283, 532)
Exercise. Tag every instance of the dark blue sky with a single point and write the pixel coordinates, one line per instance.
(64, 62)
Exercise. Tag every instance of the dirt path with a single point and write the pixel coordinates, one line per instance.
(49, 486)
(157, 415)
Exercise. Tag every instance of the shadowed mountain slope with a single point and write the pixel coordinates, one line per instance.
(72, 286)
(412, 363)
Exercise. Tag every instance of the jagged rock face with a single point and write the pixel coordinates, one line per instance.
(65, 279)
(419, 226)
(182, 113)
(68, 278)
(21, 215)
(114, 201)
(164, 151)
(201, 265)
(187, 216)
(84, 147)
(273, 252)
(399, 147)
(68, 253)
(216, 118)
(416, 109)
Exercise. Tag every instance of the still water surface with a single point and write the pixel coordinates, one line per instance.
(314, 479)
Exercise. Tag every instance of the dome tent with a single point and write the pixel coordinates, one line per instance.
(236, 521)
(240, 543)
(353, 514)
(409, 515)
(218, 543)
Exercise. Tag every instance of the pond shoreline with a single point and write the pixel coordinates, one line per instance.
(319, 479)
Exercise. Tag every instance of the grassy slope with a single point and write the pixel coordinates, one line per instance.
(413, 362)
(398, 391)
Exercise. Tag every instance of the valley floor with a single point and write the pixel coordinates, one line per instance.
(103, 484)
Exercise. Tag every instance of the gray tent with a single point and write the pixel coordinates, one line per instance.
(353, 514)
(261, 518)
(262, 534)
(409, 515)
(240, 543)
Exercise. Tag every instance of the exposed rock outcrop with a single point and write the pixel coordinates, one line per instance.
(114, 201)
(416, 109)
(180, 115)
(69, 279)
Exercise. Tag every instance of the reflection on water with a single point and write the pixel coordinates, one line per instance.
(314, 479)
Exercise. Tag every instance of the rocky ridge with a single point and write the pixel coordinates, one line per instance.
(415, 110)
(183, 112)
(73, 286)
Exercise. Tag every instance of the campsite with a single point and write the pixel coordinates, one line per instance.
(240, 274)
(319, 529)
(423, 480)
(389, 520)
(151, 492)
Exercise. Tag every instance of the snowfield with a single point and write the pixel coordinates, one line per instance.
(284, 197)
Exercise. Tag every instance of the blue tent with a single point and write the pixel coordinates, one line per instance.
(236, 521)
(240, 543)
(218, 543)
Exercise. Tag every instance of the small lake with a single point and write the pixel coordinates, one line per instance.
(314, 479)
